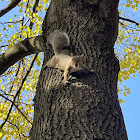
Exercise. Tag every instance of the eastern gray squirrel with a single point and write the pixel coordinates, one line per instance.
(62, 59)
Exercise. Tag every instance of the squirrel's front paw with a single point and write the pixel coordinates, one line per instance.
(66, 82)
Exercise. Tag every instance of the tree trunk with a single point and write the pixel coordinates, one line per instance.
(88, 107)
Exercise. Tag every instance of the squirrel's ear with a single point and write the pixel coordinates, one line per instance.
(82, 56)
(71, 54)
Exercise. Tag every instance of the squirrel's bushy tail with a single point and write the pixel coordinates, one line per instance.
(59, 40)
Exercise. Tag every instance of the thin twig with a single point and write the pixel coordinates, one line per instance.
(6, 93)
(34, 11)
(3, 46)
(27, 4)
(15, 75)
(126, 19)
(18, 91)
(22, 20)
(10, 22)
(17, 129)
(17, 108)
(13, 124)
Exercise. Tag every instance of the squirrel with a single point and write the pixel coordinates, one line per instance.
(62, 58)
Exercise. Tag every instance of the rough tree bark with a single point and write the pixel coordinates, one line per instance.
(88, 107)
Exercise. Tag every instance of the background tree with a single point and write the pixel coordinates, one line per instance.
(77, 34)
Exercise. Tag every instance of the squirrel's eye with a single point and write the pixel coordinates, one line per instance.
(76, 65)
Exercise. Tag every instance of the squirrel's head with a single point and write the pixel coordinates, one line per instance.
(76, 60)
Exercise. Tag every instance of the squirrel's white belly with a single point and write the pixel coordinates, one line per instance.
(63, 62)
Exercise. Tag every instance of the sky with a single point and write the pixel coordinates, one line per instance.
(130, 108)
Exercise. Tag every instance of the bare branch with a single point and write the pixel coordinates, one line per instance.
(18, 91)
(9, 7)
(129, 20)
(19, 51)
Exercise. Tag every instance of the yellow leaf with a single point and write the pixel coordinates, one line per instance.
(1, 106)
(125, 94)
(136, 9)
(4, 29)
(121, 101)
(128, 5)
(29, 101)
(133, 6)
(125, 50)
(30, 111)
(1, 134)
(2, 86)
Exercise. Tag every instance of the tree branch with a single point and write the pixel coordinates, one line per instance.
(19, 51)
(5, 93)
(15, 76)
(129, 20)
(34, 11)
(9, 7)
(18, 91)
(35, 6)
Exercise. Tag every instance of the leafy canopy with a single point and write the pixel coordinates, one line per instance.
(25, 22)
